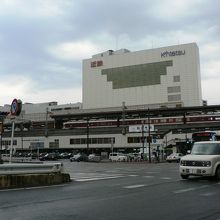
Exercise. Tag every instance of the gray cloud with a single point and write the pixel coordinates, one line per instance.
(29, 28)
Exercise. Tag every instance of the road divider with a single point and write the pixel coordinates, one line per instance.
(23, 168)
(26, 175)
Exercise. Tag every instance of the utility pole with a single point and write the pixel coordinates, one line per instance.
(142, 131)
(112, 144)
(46, 123)
(12, 139)
(22, 129)
(149, 138)
(123, 119)
(87, 134)
(1, 131)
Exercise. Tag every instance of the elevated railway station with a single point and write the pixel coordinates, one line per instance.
(102, 130)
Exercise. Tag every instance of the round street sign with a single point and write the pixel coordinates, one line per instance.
(16, 107)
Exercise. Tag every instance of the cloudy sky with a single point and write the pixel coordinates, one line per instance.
(43, 42)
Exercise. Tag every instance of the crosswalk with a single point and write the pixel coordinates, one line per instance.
(84, 177)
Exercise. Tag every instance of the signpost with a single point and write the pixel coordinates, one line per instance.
(16, 106)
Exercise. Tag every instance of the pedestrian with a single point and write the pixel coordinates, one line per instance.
(142, 156)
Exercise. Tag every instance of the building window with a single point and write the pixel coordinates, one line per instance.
(8, 142)
(83, 141)
(172, 98)
(173, 89)
(132, 140)
(77, 141)
(176, 78)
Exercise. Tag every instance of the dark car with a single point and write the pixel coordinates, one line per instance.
(49, 156)
(65, 155)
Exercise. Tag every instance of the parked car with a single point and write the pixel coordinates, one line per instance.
(204, 160)
(174, 157)
(94, 158)
(79, 157)
(117, 157)
(134, 157)
(65, 155)
(49, 156)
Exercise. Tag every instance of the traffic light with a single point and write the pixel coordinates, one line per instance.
(149, 139)
(188, 141)
(143, 139)
(188, 144)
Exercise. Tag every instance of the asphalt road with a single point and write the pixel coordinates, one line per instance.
(116, 191)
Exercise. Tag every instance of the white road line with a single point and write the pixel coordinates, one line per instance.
(184, 190)
(91, 176)
(132, 175)
(208, 194)
(151, 172)
(149, 176)
(165, 178)
(134, 186)
(189, 189)
(34, 187)
(95, 178)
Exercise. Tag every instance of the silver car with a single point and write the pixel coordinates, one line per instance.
(174, 157)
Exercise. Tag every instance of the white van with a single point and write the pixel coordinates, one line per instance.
(204, 160)
(117, 157)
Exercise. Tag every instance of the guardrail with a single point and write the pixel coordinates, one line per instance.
(6, 158)
(6, 169)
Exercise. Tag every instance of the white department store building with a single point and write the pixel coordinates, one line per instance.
(167, 76)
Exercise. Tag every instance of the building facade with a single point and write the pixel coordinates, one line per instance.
(163, 76)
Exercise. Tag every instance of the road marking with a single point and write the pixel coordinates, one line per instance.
(184, 190)
(149, 176)
(208, 194)
(95, 178)
(132, 175)
(165, 178)
(189, 189)
(151, 172)
(134, 186)
(34, 187)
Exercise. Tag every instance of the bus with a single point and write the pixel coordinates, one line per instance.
(205, 136)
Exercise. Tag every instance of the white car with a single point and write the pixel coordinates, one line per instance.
(117, 157)
(204, 160)
(94, 158)
(75, 157)
(174, 157)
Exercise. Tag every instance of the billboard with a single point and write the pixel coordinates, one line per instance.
(138, 128)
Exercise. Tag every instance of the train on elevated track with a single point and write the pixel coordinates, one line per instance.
(195, 119)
